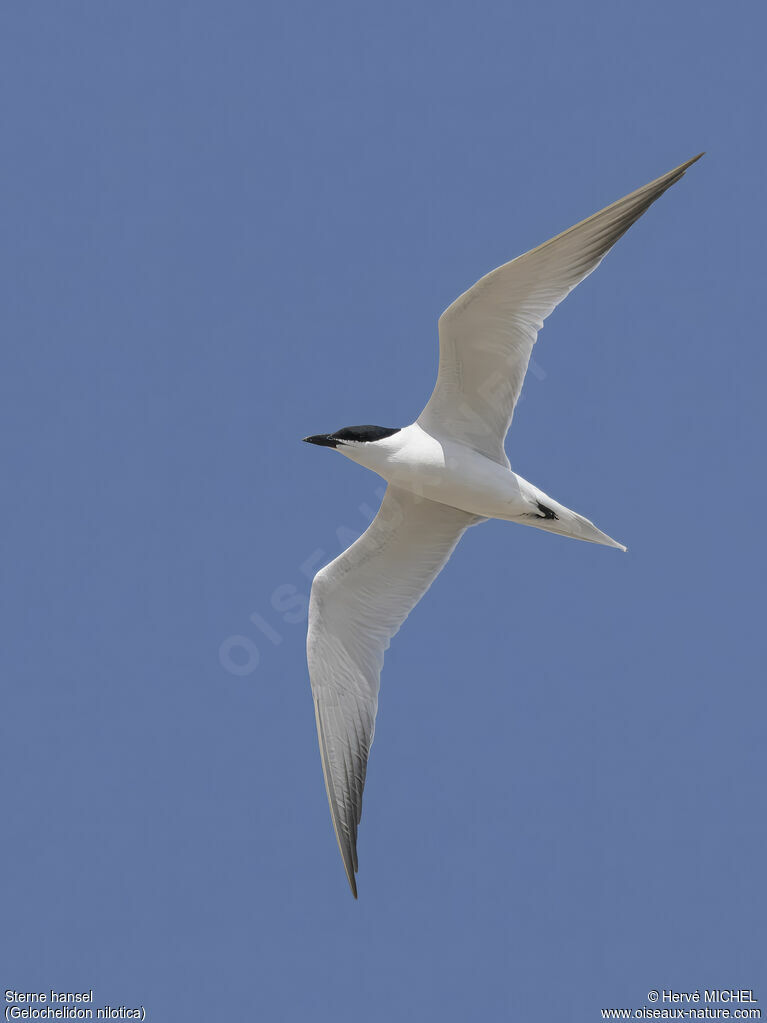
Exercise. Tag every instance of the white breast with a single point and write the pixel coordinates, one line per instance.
(443, 471)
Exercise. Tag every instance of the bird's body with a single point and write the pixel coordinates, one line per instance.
(442, 470)
(445, 472)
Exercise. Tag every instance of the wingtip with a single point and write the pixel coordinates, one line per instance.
(683, 167)
(669, 179)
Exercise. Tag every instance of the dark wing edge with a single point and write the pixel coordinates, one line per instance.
(358, 603)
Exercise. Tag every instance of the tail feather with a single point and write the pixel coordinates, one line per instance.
(556, 518)
(579, 528)
(544, 512)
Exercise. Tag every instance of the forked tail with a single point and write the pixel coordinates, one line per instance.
(546, 513)
(570, 523)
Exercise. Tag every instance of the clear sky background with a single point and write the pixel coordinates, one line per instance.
(226, 226)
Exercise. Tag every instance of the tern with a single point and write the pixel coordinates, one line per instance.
(445, 472)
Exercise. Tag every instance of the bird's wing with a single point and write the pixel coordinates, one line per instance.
(358, 602)
(486, 335)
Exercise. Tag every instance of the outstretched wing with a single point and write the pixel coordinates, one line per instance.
(358, 602)
(486, 335)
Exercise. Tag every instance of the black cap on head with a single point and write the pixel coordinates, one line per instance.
(353, 433)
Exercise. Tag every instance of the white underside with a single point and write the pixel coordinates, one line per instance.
(439, 469)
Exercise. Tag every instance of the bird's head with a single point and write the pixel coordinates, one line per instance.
(350, 435)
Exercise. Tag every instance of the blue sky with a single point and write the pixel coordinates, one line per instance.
(228, 226)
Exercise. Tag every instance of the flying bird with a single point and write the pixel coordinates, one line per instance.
(445, 472)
